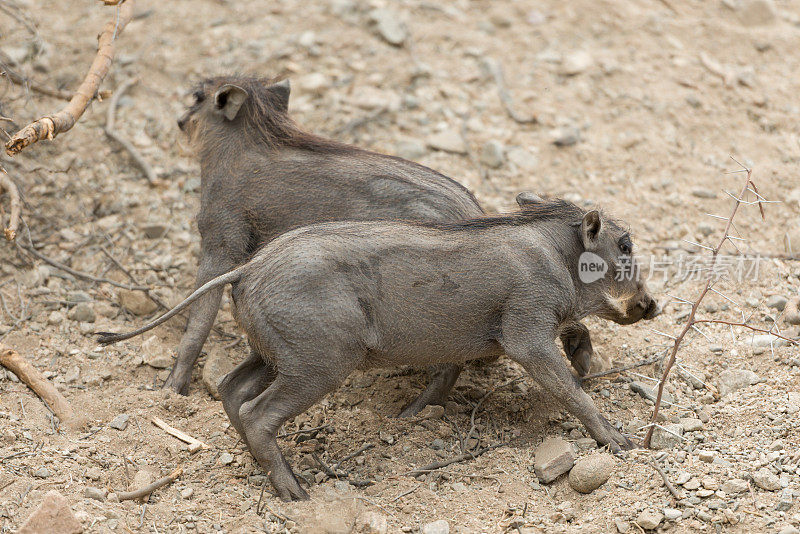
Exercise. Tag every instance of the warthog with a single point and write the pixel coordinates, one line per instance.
(261, 175)
(320, 301)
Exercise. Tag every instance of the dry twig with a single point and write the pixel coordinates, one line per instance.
(691, 321)
(7, 185)
(111, 132)
(19, 79)
(194, 443)
(49, 126)
(620, 369)
(670, 487)
(147, 490)
(29, 248)
(460, 458)
(11, 360)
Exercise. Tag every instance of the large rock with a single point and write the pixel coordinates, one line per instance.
(136, 302)
(768, 340)
(576, 63)
(591, 472)
(218, 364)
(553, 458)
(83, 312)
(731, 380)
(735, 486)
(52, 517)
(791, 313)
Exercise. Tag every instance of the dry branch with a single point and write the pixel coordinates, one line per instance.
(111, 132)
(7, 185)
(50, 126)
(11, 360)
(147, 490)
(691, 321)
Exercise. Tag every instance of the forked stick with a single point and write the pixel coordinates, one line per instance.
(49, 126)
(11, 360)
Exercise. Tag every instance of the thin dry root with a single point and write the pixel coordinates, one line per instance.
(7, 185)
(49, 126)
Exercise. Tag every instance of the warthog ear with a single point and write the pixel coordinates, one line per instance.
(526, 197)
(282, 90)
(228, 99)
(590, 229)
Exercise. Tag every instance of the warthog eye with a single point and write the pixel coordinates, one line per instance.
(199, 96)
(626, 245)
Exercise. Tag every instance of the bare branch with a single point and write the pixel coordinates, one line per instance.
(49, 126)
(691, 321)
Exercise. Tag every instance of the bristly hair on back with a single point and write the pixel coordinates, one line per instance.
(547, 209)
(265, 118)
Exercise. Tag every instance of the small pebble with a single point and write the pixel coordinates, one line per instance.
(436, 527)
(649, 520)
(120, 422)
(42, 472)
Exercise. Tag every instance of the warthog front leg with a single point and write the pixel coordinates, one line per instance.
(544, 363)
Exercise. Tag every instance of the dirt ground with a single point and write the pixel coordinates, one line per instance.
(638, 105)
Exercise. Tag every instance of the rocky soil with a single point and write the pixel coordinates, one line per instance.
(635, 106)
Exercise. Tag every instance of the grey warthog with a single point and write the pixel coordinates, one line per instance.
(261, 175)
(320, 301)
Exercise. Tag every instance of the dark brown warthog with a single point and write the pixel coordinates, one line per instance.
(262, 175)
(318, 302)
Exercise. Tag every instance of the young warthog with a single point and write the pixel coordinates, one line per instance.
(261, 175)
(321, 301)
